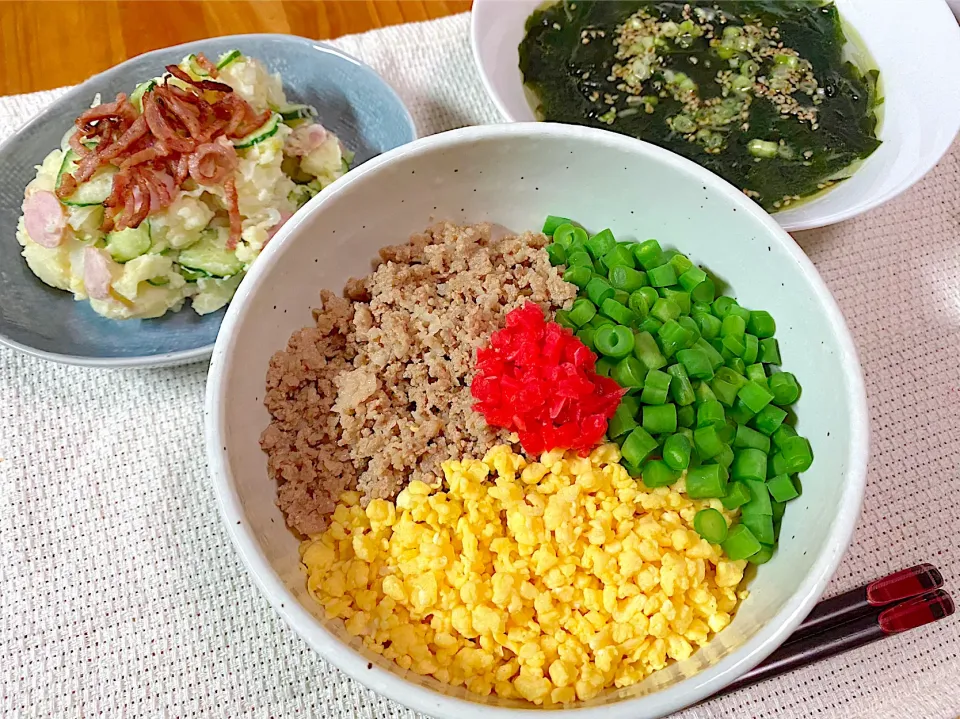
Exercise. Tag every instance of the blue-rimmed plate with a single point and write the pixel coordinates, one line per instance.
(353, 101)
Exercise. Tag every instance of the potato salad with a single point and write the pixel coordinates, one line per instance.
(172, 192)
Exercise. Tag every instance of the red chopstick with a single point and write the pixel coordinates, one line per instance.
(863, 601)
(880, 609)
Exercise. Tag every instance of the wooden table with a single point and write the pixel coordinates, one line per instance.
(50, 43)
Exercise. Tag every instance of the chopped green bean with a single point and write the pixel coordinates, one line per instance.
(556, 253)
(676, 452)
(769, 419)
(656, 473)
(601, 243)
(681, 298)
(710, 414)
(629, 372)
(740, 412)
(691, 278)
(708, 481)
(651, 325)
(797, 454)
(706, 291)
(785, 388)
(656, 385)
(761, 556)
(680, 388)
(623, 421)
(598, 290)
(722, 305)
(747, 438)
(581, 312)
(770, 351)
(726, 456)
(733, 344)
(579, 258)
(578, 276)
(783, 433)
(711, 525)
(662, 276)
(751, 348)
(736, 364)
(707, 442)
(685, 414)
(696, 362)
(614, 341)
(709, 325)
(704, 393)
(782, 488)
(761, 525)
(647, 254)
(619, 313)
(647, 351)
(681, 264)
(660, 419)
(733, 325)
(759, 499)
(749, 463)
(638, 446)
(740, 543)
(552, 222)
(626, 278)
(754, 396)
(604, 365)
(586, 335)
(665, 310)
(563, 234)
(737, 495)
(638, 303)
(761, 324)
(562, 318)
(619, 256)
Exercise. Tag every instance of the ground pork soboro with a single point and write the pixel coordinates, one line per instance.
(377, 394)
(406, 407)
(303, 454)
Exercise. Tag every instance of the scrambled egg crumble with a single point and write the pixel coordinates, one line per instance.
(549, 580)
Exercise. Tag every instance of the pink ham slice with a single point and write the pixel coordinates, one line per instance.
(305, 139)
(96, 273)
(44, 218)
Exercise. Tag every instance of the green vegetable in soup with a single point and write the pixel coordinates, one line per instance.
(759, 91)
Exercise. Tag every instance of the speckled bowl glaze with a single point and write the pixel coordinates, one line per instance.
(516, 174)
(353, 101)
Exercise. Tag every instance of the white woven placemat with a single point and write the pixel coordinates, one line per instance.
(121, 596)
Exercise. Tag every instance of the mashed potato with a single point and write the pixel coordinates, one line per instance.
(274, 177)
(549, 580)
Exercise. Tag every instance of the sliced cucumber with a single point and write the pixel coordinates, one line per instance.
(159, 281)
(139, 91)
(267, 129)
(193, 67)
(227, 58)
(210, 256)
(124, 245)
(92, 192)
(289, 113)
(192, 275)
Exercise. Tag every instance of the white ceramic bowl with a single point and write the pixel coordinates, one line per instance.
(917, 51)
(515, 174)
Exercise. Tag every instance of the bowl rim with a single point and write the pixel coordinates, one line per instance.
(195, 354)
(920, 169)
(387, 683)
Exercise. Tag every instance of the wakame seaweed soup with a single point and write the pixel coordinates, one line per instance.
(758, 91)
